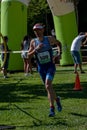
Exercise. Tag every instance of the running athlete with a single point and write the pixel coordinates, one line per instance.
(41, 47)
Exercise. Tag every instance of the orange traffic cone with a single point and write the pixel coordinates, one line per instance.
(77, 83)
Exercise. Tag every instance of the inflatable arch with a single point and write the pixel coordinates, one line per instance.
(65, 26)
(0, 16)
(14, 25)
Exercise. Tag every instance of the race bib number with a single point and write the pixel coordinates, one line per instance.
(44, 57)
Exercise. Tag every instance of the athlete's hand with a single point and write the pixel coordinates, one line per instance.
(39, 46)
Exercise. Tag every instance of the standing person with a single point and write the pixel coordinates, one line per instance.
(27, 61)
(75, 50)
(41, 47)
(4, 48)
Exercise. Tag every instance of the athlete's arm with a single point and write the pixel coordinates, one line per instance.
(34, 49)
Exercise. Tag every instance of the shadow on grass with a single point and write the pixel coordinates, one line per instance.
(67, 91)
(79, 115)
(19, 92)
(54, 122)
(6, 127)
(30, 115)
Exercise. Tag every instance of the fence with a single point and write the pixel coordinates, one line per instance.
(84, 53)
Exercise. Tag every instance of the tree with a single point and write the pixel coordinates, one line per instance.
(38, 11)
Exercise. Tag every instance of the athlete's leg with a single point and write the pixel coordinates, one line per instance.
(50, 91)
(52, 94)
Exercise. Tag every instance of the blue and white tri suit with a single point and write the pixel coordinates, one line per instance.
(46, 67)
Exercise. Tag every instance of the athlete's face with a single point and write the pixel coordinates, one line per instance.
(39, 32)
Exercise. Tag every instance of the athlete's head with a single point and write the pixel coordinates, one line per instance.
(38, 26)
(39, 29)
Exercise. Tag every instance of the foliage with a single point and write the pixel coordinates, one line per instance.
(37, 12)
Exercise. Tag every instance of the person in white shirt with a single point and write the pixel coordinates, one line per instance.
(75, 50)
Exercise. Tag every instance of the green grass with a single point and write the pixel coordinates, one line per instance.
(24, 103)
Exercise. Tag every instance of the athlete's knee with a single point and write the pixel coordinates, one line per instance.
(48, 85)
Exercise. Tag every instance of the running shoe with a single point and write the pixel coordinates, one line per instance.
(59, 106)
(52, 112)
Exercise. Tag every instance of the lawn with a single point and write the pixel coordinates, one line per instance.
(24, 104)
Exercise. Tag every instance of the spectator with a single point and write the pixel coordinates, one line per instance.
(27, 61)
(5, 56)
(75, 50)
